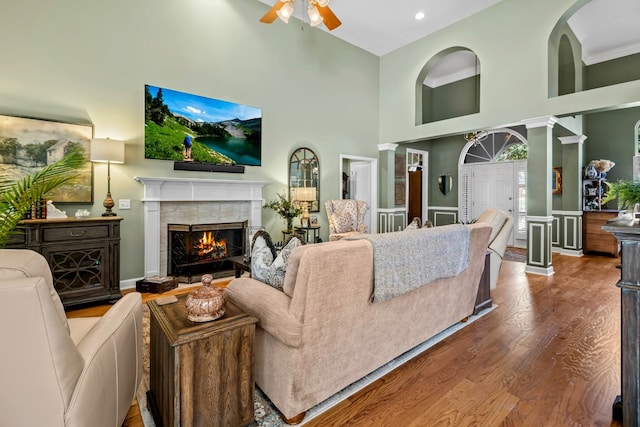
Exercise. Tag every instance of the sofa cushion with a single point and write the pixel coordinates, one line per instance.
(274, 276)
(262, 255)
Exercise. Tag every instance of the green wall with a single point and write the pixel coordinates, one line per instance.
(513, 50)
(613, 72)
(88, 61)
(611, 136)
(451, 100)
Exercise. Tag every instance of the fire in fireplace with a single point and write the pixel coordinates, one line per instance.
(197, 249)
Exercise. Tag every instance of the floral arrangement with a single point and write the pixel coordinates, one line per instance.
(285, 207)
(603, 165)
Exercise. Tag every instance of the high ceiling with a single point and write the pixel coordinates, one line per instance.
(606, 28)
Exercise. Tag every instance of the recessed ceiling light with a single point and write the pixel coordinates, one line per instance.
(420, 15)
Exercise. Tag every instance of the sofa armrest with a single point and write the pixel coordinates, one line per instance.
(499, 243)
(269, 305)
(112, 351)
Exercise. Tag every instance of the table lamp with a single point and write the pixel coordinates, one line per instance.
(305, 195)
(105, 150)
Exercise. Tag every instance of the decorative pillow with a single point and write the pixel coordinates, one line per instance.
(414, 224)
(274, 276)
(262, 255)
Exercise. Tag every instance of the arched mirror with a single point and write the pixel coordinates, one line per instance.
(304, 178)
(445, 183)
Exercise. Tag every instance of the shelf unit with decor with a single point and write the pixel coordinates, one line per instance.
(592, 194)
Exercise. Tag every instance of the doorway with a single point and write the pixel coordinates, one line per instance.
(417, 184)
(359, 181)
(492, 174)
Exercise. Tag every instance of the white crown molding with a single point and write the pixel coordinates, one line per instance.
(387, 147)
(573, 139)
(608, 55)
(451, 77)
(538, 122)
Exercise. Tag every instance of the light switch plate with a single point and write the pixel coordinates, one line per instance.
(124, 204)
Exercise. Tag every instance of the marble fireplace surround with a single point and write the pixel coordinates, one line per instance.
(193, 201)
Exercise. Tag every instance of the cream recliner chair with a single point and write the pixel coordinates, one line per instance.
(57, 371)
(501, 227)
(346, 217)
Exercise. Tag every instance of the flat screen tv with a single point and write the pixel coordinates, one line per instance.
(189, 128)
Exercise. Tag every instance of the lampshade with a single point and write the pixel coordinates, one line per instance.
(107, 150)
(314, 16)
(285, 12)
(306, 194)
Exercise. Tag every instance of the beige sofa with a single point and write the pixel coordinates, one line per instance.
(323, 333)
(501, 227)
(57, 371)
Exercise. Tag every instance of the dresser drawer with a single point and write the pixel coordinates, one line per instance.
(59, 234)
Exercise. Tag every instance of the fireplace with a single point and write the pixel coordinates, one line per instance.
(197, 249)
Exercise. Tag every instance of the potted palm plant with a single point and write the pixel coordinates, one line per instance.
(17, 196)
(626, 192)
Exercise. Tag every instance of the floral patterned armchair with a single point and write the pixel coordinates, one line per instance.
(346, 217)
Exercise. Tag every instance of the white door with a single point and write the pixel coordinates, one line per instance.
(360, 184)
(493, 188)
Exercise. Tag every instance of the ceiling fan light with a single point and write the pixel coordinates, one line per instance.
(314, 16)
(285, 12)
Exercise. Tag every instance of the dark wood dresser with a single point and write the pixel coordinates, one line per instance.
(594, 239)
(83, 253)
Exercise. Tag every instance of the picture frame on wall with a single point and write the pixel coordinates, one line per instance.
(556, 181)
(29, 144)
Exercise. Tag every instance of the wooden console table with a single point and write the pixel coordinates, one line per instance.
(594, 239)
(201, 373)
(629, 401)
(83, 254)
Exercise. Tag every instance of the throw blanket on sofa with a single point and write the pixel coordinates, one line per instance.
(405, 260)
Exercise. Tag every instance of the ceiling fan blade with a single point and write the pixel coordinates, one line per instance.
(331, 21)
(271, 16)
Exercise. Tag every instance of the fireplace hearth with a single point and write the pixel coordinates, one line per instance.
(197, 249)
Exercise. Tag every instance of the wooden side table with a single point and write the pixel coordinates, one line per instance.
(201, 373)
(240, 264)
(309, 231)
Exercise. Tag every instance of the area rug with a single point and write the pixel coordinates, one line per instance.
(266, 415)
(515, 254)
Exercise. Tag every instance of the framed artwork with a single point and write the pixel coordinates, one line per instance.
(313, 220)
(29, 144)
(304, 222)
(556, 181)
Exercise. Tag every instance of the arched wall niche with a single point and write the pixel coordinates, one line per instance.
(566, 67)
(616, 59)
(448, 86)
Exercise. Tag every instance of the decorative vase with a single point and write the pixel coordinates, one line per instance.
(591, 172)
(205, 303)
(289, 224)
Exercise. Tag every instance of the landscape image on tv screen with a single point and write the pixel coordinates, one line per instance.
(185, 127)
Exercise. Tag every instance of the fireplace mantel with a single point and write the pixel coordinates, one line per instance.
(158, 190)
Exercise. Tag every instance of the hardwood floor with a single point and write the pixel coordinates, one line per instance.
(548, 355)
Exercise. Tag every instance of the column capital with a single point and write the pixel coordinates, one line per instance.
(387, 147)
(573, 139)
(538, 122)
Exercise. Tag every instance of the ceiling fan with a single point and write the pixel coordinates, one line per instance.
(318, 11)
